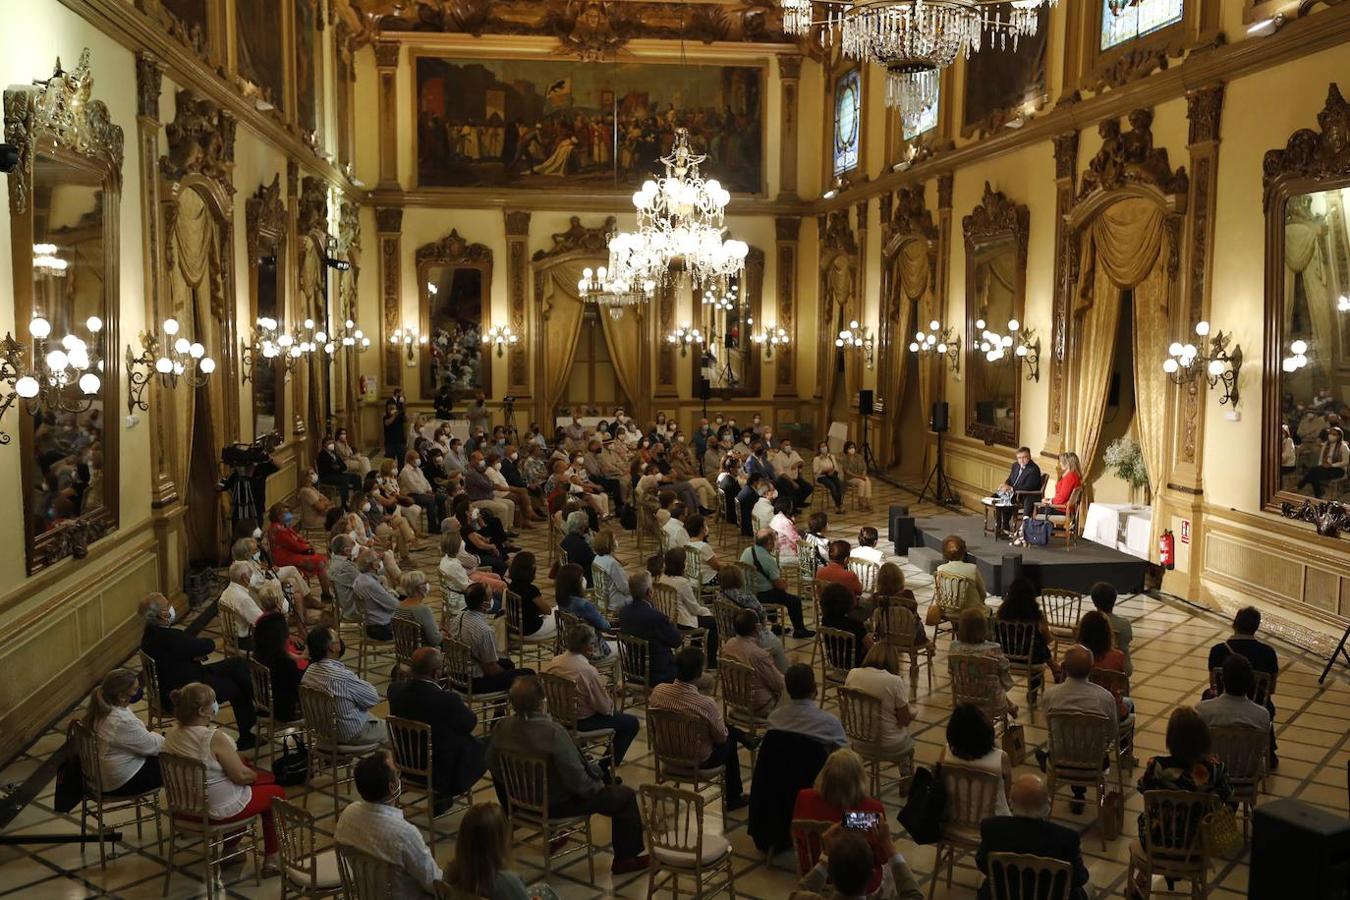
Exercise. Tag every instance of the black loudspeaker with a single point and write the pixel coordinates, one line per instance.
(1009, 571)
(1298, 850)
(902, 531)
(704, 388)
(940, 411)
(865, 403)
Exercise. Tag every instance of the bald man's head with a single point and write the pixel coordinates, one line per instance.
(426, 662)
(1078, 662)
(1029, 797)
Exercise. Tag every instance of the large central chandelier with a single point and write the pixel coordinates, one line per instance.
(913, 40)
(680, 235)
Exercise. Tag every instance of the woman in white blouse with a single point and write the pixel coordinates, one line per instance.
(128, 750)
(879, 676)
(234, 790)
(827, 473)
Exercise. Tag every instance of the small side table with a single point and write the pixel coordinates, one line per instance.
(992, 507)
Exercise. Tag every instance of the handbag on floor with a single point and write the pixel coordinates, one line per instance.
(1220, 830)
(291, 768)
(1015, 744)
(927, 804)
(933, 617)
(1113, 815)
(1036, 532)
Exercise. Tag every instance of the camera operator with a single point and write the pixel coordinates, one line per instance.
(250, 465)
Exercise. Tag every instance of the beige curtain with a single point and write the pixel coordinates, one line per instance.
(624, 336)
(561, 310)
(912, 284)
(1304, 255)
(1121, 247)
(1151, 385)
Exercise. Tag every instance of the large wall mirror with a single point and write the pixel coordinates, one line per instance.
(729, 317)
(996, 276)
(64, 202)
(1307, 399)
(454, 278)
(266, 217)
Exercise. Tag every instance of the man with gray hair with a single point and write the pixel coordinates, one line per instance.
(342, 571)
(178, 656)
(1029, 830)
(576, 544)
(370, 595)
(1076, 694)
(640, 619)
(239, 600)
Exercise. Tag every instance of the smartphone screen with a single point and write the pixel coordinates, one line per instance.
(860, 820)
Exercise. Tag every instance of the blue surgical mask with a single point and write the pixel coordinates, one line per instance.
(215, 708)
(287, 518)
(136, 697)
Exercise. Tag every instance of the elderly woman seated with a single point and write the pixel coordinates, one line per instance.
(249, 551)
(972, 639)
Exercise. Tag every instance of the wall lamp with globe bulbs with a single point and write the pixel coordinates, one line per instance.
(942, 342)
(63, 376)
(167, 357)
(1212, 357)
(1020, 345)
(859, 339)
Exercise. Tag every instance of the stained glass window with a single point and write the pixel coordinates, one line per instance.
(912, 127)
(847, 121)
(1136, 18)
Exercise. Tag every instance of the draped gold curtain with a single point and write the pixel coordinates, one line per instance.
(561, 311)
(195, 287)
(624, 336)
(1304, 255)
(1122, 249)
(912, 284)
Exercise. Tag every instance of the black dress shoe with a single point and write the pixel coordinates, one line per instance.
(246, 742)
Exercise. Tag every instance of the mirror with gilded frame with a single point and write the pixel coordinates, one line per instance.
(265, 213)
(1305, 455)
(64, 199)
(729, 318)
(996, 235)
(454, 279)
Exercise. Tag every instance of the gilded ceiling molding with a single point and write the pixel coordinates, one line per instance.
(265, 217)
(1312, 155)
(836, 235)
(997, 215)
(453, 250)
(192, 37)
(200, 141)
(580, 238)
(1130, 158)
(61, 108)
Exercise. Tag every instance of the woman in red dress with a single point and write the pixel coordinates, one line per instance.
(1071, 477)
(289, 548)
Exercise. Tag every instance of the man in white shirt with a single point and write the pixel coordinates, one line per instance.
(867, 546)
(595, 705)
(505, 491)
(238, 599)
(761, 514)
(787, 463)
(375, 825)
(671, 525)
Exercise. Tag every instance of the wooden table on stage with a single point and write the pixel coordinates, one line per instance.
(992, 506)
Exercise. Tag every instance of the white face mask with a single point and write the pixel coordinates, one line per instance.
(313, 479)
(330, 447)
(356, 551)
(257, 556)
(514, 456)
(173, 615)
(215, 708)
(824, 450)
(497, 466)
(365, 507)
(256, 581)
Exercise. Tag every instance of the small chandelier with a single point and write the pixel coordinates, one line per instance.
(1186, 362)
(1297, 358)
(614, 291)
(685, 337)
(769, 338)
(858, 338)
(939, 341)
(409, 339)
(168, 357)
(353, 338)
(1019, 345)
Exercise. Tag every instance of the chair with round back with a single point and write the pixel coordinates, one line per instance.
(517, 641)
(1244, 751)
(1018, 640)
(191, 828)
(866, 570)
(410, 742)
(452, 601)
(861, 713)
(600, 588)
(229, 632)
(1022, 876)
(1063, 608)
(1171, 843)
(1118, 683)
(975, 680)
(949, 591)
(145, 805)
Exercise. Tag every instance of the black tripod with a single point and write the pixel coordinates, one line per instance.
(868, 459)
(1337, 654)
(937, 477)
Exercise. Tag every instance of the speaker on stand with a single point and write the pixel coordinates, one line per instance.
(937, 477)
(866, 407)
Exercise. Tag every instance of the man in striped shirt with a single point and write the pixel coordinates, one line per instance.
(473, 628)
(352, 695)
(717, 743)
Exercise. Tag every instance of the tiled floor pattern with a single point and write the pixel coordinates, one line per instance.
(1169, 657)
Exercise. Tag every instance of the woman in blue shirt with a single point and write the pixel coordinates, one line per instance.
(571, 587)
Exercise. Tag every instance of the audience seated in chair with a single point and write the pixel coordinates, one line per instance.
(481, 867)
(642, 620)
(971, 742)
(841, 788)
(1029, 831)
(1094, 632)
(284, 658)
(595, 705)
(972, 639)
(178, 656)
(1020, 605)
(605, 559)
(891, 585)
(847, 864)
(473, 626)
(575, 786)
(458, 758)
(352, 695)
(837, 605)
(342, 572)
(768, 584)
(289, 548)
(239, 600)
(1261, 655)
(801, 714)
(1079, 695)
(747, 647)
(879, 676)
(954, 552)
(837, 570)
(234, 789)
(867, 546)
(720, 739)
(375, 825)
(537, 620)
(1104, 600)
(129, 760)
(1234, 706)
(373, 597)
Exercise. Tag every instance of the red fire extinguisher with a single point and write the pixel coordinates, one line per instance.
(1167, 550)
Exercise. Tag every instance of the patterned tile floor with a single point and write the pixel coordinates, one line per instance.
(1171, 641)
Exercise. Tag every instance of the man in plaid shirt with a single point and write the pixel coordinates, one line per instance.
(717, 743)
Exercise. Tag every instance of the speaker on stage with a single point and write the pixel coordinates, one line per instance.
(1008, 572)
(902, 531)
(940, 412)
(864, 403)
(1298, 850)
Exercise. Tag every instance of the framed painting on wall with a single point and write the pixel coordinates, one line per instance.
(306, 65)
(258, 38)
(558, 124)
(1000, 80)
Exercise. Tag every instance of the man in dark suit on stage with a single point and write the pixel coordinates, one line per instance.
(1024, 475)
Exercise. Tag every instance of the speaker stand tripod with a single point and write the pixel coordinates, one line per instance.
(866, 450)
(1338, 654)
(937, 478)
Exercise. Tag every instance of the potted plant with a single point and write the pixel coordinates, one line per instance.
(1124, 458)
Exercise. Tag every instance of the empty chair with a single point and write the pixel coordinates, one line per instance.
(190, 825)
(525, 784)
(145, 806)
(326, 752)
(364, 876)
(1023, 876)
(306, 871)
(1078, 743)
(971, 798)
(1171, 843)
(679, 848)
(1062, 609)
(1244, 752)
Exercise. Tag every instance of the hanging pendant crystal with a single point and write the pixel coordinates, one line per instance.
(913, 93)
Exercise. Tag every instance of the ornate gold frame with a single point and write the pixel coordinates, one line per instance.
(265, 225)
(753, 292)
(995, 218)
(1310, 161)
(59, 118)
(454, 252)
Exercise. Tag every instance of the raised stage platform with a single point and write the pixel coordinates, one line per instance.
(1075, 568)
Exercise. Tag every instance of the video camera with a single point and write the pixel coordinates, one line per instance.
(240, 455)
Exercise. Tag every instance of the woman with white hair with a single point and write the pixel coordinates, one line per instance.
(576, 543)
(413, 607)
(248, 550)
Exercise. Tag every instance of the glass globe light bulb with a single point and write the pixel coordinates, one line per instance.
(1202, 328)
(39, 328)
(1014, 325)
(913, 347)
(179, 368)
(182, 345)
(57, 360)
(934, 325)
(90, 383)
(1174, 349)
(163, 366)
(26, 387)
(196, 351)
(171, 327)
(941, 348)
(1170, 366)
(208, 366)
(349, 324)
(309, 324)
(980, 324)
(1288, 365)
(1299, 347)
(1216, 367)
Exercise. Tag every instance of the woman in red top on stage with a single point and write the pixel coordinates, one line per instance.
(287, 547)
(1071, 477)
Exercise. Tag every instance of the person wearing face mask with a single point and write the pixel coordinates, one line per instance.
(178, 656)
(283, 655)
(247, 550)
(481, 493)
(238, 599)
(855, 475)
(289, 548)
(413, 484)
(702, 435)
(234, 790)
(395, 424)
(456, 460)
(314, 506)
(603, 470)
(352, 695)
(342, 572)
(372, 595)
(585, 490)
(827, 473)
(574, 432)
(375, 825)
(128, 751)
(356, 463)
(788, 464)
(716, 450)
(513, 471)
(333, 470)
(684, 467)
(504, 490)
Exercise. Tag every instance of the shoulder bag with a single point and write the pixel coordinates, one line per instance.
(926, 806)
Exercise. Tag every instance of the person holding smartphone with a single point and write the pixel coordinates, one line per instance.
(840, 796)
(846, 863)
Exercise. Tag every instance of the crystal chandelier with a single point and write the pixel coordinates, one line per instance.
(914, 40)
(614, 291)
(679, 228)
